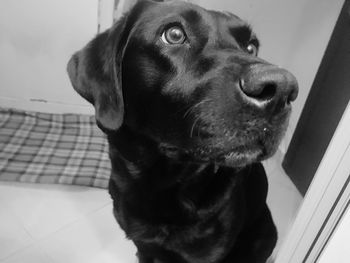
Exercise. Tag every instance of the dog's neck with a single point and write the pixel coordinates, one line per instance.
(165, 186)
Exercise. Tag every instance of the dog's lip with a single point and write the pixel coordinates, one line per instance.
(169, 148)
(235, 157)
(207, 150)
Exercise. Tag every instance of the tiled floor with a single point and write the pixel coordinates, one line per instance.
(69, 224)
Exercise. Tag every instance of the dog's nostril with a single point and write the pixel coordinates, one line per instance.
(264, 91)
(268, 92)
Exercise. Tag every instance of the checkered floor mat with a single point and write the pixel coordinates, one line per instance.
(52, 148)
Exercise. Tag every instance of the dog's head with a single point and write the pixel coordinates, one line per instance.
(190, 80)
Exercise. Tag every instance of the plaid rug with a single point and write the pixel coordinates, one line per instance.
(52, 148)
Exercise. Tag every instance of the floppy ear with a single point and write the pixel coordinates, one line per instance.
(95, 73)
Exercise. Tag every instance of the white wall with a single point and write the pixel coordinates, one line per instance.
(36, 40)
(294, 35)
(105, 14)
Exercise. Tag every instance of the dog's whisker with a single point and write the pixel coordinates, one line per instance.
(189, 110)
(193, 125)
(194, 106)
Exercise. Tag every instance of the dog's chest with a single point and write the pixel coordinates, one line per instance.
(207, 240)
(197, 219)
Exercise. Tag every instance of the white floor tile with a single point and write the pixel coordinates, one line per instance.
(270, 166)
(284, 201)
(96, 238)
(44, 209)
(32, 254)
(13, 236)
(278, 176)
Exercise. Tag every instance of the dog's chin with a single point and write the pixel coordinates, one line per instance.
(248, 154)
(224, 151)
(239, 157)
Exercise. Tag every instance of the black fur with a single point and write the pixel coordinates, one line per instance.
(187, 125)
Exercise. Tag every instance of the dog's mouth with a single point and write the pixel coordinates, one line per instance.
(231, 155)
(233, 145)
(233, 158)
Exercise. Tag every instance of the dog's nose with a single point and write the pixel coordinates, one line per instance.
(264, 85)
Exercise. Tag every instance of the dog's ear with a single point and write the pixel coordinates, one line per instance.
(95, 73)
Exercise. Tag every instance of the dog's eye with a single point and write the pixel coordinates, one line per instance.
(252, 49)
(173, 35)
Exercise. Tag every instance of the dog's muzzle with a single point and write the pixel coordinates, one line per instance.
(268, 88)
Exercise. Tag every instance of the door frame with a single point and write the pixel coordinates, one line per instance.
(324, 203)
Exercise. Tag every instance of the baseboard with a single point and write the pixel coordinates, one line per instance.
(45, 106)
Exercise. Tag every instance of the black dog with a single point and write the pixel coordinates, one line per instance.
(189, 111)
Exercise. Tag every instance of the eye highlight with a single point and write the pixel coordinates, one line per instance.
(173, 36)
(252, 49)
